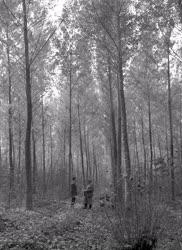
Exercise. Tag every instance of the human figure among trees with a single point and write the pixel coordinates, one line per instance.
(88, 195)
(73, 191)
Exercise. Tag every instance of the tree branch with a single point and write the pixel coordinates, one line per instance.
(12, 14)
(176, 55)
(104, 27)
(44, 44)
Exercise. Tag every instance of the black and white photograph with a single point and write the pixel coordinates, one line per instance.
(90, 124)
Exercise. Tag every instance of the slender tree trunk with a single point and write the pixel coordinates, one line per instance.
(180, 132)
(29, 203)
(119, 131)
(144, 149)
(43, 150)
(124, 116)
(94, 166)
(0, 158)
(19, 143)
(81, 148)
(167, 142)
(86, 154)
(154, 150)
(96, 171)
(11, 174)
(159, 146)
(64, 148)
(170, 128)
(34, 172)
(51, 157)
(136, 150)
(150, 139)
(113, 129)
(70, 125)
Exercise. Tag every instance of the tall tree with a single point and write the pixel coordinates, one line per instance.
(29, 198)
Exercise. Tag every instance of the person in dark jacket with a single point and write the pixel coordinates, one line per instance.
(88, 195)
(73, 191)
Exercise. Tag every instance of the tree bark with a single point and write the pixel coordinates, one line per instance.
(19, 143)
(34, 172)
(124, 117)
(43, 150)
(70, 125)
(119, 131)
(144, 149)
(136, 150)
(113, 129)
(86, 154)
(10, 121)
(51, 157)
(170, 126)
(29, 202)
(150, 139)
(81, 148)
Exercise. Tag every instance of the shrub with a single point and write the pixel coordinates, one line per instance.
(139, 225)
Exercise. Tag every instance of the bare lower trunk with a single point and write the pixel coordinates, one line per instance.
(86, 154)
(136, 150)
(144, 150)
(119, 132)
(124, 118)
(11, 174)
(113, 129)
(51, 158)
(43, 150)
(150, 140)
(34, 173)
(81, 148)
(70, 125)
(29, 203)
(171, 130)
(19, 143)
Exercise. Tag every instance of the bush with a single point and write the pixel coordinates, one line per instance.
(139, 225)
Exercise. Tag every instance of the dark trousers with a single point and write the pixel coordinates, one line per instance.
(88, 202)
(73, 199)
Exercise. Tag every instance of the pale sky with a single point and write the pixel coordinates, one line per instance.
(56, 12)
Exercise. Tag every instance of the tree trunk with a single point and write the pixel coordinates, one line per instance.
(144, 150)
(34, 173)
(51, 158)
(81, 148)
(136, 150)
(19, 143)
(86, 154)
(170, 127)
(124, 117)
(29, 203)
(64, 148)
(119, 132)
(180, 133)
(150, 139)
(70, 125)
(113, 129)
(43, 150)
(10, 121)
(159, 146)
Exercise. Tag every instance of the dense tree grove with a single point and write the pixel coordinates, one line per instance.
(94, 93)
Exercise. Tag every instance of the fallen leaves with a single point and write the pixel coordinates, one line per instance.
(63, 228)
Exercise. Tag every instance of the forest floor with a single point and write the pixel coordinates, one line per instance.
(54, 226)
(58, 226)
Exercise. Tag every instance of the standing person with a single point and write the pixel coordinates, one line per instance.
(73, 191)
(88, 193)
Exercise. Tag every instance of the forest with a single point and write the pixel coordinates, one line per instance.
(91, 97)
